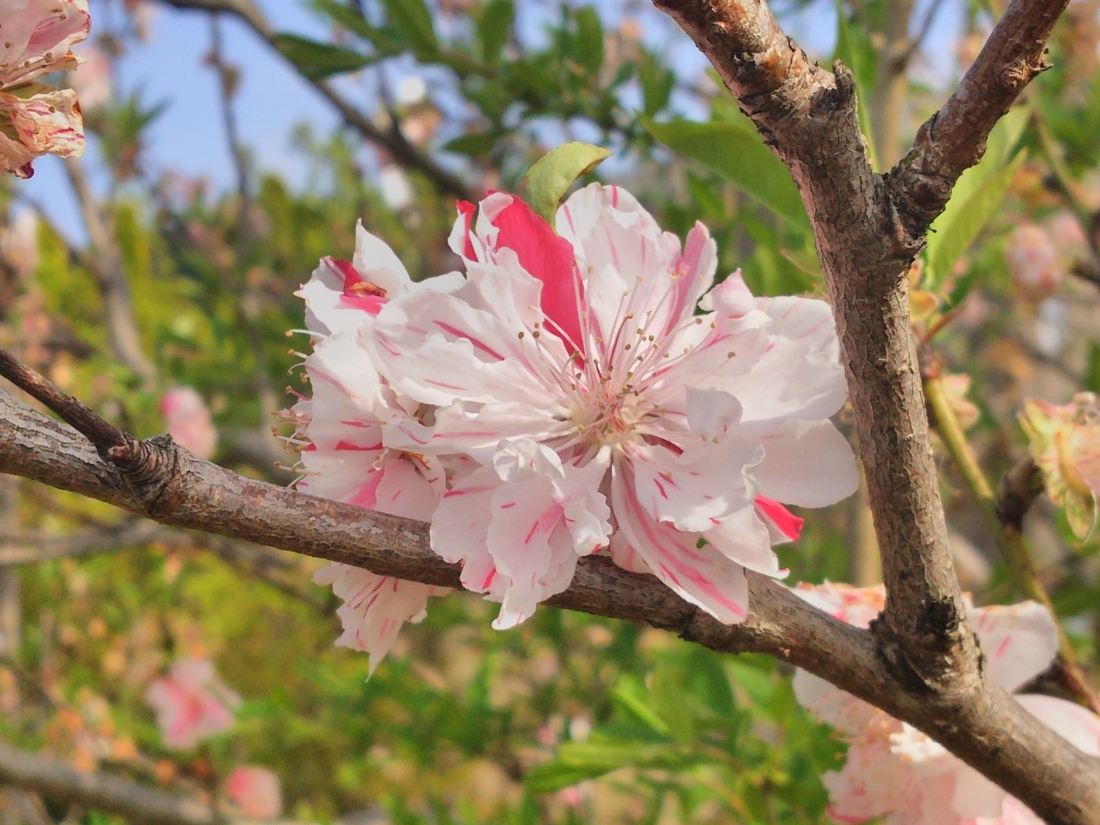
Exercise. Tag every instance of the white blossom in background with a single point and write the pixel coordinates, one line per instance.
(896, 772)
(397, 192)
(191, 703)
(564, 398)
(187, 419)
(36, 119)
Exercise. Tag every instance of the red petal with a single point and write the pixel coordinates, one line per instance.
(550, 259)
(787, 522)
(466, 210)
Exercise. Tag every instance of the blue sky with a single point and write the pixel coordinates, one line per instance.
(189, 136)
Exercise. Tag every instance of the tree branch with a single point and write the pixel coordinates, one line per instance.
(391, 140)
(868, 229)
(59, 781)
(953, 139)
(173, 487)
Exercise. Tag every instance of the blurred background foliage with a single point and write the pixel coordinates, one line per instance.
(569, 718)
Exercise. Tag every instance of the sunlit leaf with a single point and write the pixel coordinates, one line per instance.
(550, 178)
(736, 151)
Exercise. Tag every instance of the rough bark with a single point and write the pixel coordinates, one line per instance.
(981, 724)
(868, 229)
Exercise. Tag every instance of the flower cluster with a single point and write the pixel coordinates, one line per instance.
(36, 119)
(896, 772)
(565, 397)
(191, 703)
(1065, 444)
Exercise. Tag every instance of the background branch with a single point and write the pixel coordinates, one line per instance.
(391, 140)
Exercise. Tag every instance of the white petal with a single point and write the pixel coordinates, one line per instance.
(1077, 725)
(696, 489)
(710, 413)
(377, 263)
(742, 537)
(1019, 641)
(807, 464)
(838, 708)
(374, 607)
(702, 576)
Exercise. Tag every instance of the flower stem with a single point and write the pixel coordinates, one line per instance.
(1009, 538)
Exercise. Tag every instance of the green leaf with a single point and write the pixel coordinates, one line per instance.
(550, 178)
(969, 210)
(576, 761)
(414, 20)
(632, 697)
(493, 28)
(472, 145)
(319, 60)
(657, 83)
(589, 44)
(735, 151)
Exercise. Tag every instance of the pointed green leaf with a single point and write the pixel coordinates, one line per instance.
(494, 27)
(967, 213)
(319, 60)
(550, 178)
(632, 697)
(736, 152)
(414, 20)
(589, 43)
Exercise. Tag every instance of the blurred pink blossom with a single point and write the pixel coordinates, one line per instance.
(255, 792)
(1033, 261)
(188, 421)
(93, 82)
(896, 772)
(191, 703)
(36, 119)
(19, 243)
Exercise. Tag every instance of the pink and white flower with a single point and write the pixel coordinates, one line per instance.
(36, 119)
(572, 368)
(343, 456)
(191, 703)
(896, 772)
(254, 792)
(564, 399)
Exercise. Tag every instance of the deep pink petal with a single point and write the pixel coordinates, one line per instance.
(548, 258)
(775, 514)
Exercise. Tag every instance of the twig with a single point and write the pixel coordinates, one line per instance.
(1008, 534)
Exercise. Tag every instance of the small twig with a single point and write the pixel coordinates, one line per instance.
(108, 439)
(1006, 532)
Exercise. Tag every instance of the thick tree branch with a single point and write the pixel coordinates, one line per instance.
(391, 140)
(59, 781)
(176, 488)
(868, 229)
(953, 139)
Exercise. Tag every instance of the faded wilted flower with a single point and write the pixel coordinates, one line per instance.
(1065, 444)
(188, 421)
(36, 119)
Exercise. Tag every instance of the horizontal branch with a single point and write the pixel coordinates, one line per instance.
(58, 781)
(184, 491)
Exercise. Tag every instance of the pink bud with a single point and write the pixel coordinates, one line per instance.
(255, 791)
(188, 421)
